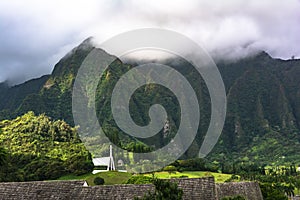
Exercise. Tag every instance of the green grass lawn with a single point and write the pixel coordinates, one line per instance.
(113, 177)
(219, 177)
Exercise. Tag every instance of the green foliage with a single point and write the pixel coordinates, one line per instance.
(234, 198)
(164, 190)
(232, 178)
(277, 182)
(170, 168)
(139, 179)
(219, 177)
(3, 156)
(98, 181)
(80, 164)
(11, 98)
(195, 164)
(271, 192)
(43, 169)
(40, 149)
(262, 121)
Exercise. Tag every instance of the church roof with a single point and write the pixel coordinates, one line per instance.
(104, 161)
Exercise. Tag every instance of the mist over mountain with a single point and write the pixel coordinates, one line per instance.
(31, 43)
(263, 116)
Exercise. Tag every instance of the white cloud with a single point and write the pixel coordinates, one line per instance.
(35, 34)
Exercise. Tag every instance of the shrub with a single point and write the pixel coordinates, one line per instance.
(271, 192)
(139, 179)
(98, 181)
(234, 198)
(163, 190)
(232, 178)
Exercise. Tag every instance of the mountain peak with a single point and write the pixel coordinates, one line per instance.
(86, 44)
(264, 54)
(4, 84)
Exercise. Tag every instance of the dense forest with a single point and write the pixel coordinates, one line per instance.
(263, 115)
(38, 148)
(260, 140)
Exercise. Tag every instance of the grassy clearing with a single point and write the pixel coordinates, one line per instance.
(113, 177)
(219, 177)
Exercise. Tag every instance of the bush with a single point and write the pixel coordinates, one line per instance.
(44, 169)
(80, 164)
(163, 190)
(98, 181)
(170, 169)
(234, 198)
(271, 192)
(3, 156)
(196, 164)
(232, 178)
(139, 180)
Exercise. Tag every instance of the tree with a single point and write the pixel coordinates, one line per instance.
(3, 156)
(297, 184)
(41, 149)
(272, 192)
(234, 198)
(164, 190)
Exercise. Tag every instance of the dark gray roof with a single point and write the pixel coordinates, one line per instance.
(193, 189)
(38, 189)
(72, 190)
(111, 192)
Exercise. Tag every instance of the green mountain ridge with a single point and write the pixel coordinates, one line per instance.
(263, 116)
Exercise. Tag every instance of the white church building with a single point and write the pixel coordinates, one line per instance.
(107, 162)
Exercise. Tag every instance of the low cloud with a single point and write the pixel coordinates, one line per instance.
(36, 34)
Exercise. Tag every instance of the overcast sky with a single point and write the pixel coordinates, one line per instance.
(35, 34)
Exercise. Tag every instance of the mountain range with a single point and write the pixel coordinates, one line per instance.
(263, 112)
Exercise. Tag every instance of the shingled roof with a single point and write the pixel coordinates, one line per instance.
(193, 189)
(38, 189)
(69, 190)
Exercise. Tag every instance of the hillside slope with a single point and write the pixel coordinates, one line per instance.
(263, 118)
(39, 148)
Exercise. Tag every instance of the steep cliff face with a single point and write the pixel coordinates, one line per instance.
(263, 93)
(12, 97)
